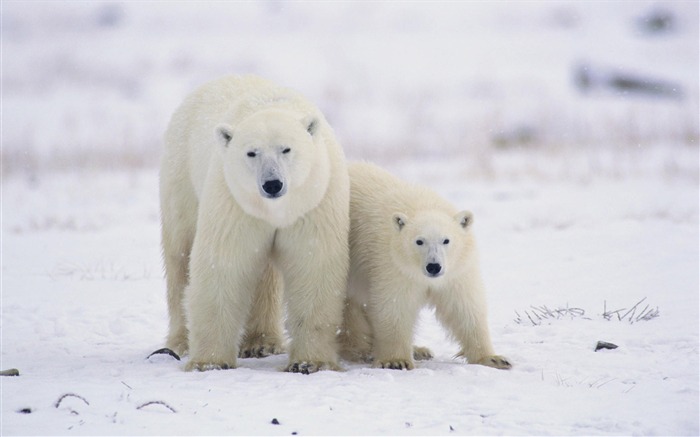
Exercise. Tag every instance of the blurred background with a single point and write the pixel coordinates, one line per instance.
(492, 89)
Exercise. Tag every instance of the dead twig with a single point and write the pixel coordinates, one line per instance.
(157, 403)
(58, 402)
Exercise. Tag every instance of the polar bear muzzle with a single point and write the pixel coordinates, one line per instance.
(433, 270)
(273, 188)
(271, 180)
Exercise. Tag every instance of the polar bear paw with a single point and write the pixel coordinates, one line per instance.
(495, 361)
(421, 353)
(261, 346)
(204, 366)
(396, 364)
(308, 367)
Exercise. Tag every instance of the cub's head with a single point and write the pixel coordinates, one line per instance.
(431, 244)
(275, 164)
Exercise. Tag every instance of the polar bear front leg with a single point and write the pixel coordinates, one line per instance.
(218, 301)
(314, 263)
(227, 263)
(393, 311)
(264, 333)
(462, 310)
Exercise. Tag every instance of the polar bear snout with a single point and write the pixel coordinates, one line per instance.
(271, 177)
(273, 188)
(433, 270)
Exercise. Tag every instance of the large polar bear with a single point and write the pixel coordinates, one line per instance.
(408, 248)
(254, 196)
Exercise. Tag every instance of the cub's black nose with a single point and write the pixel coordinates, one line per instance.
(272, 187)
(433, 268)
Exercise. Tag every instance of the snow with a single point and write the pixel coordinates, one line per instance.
(597, 207)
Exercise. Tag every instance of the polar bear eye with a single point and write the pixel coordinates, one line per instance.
(447, 241)
(252, 154)
(419, 242)
(286, 150)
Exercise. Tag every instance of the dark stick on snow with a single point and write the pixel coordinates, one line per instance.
(157, 403)
(73, 395)
(165, 351)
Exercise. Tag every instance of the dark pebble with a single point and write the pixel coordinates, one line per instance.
(604, 345)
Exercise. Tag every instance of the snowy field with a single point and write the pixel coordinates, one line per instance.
(586, 201)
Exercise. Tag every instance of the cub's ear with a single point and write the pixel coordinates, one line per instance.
(224, 134)
(465, 219)
(399, 220)
(310, 124)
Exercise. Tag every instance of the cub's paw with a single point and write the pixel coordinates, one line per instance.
(422, 353)
(261, 346)
(308, 367)
(204, 366)
(398, 364)
(496, 361)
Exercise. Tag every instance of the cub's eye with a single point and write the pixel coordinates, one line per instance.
(286, 150)
(419, 242)
(252, 154)
(447, 241)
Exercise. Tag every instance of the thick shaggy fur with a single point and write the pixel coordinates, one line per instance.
(408, 248)
(230, 246)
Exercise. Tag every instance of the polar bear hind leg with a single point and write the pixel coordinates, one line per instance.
(264, 333)
(179, 218)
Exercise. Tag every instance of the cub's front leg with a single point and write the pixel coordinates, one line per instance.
(462, 310)
(393, 310)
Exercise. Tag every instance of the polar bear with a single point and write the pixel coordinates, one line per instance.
(254, 194)
(408, 248)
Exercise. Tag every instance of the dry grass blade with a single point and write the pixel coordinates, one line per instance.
(537, 314)
(58, 402)
(157, 403)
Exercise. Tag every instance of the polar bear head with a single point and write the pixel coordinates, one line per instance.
(431, 244)
(276, 164)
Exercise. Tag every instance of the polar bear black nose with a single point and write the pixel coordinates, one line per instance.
(433, 268)
(272, 187)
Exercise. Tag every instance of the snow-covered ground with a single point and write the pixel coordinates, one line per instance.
(583, 201)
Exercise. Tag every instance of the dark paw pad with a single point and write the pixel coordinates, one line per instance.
(397, 365)
(498, 362)
(304, 368)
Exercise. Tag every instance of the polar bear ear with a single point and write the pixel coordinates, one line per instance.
(310, 124)
(399, 220)
(465, 218)
(224, 134)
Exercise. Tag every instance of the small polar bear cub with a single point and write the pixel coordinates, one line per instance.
(408, 248)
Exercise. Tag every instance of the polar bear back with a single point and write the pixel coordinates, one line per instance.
(376, 194)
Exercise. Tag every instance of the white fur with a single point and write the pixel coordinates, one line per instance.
(400, 233)
(230, 241)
